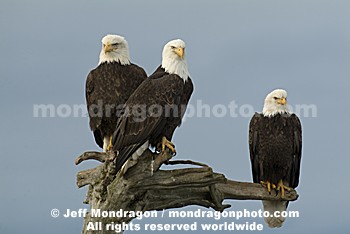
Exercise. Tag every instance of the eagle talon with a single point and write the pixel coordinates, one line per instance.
(281, 187)
(268, 185)
(110, 145)
(168, 144)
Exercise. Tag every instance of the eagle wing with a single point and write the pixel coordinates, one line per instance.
(188, 90)
(107, 89)
(295, 172)
(254, 154)
(138, 122)
(253, 143)
(95, 121)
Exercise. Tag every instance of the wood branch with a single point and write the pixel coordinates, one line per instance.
(142, 186)
(99, 156)
(186, 162)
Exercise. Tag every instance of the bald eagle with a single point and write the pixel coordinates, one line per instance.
(275, 141)
(108, 86)
(162, 99)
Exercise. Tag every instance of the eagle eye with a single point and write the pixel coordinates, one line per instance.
(173, 47)
(275, 98)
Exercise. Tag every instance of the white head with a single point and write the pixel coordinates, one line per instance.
(276, 103)
(174, 59)
(114, 49)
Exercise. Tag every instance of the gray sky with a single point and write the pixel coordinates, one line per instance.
(236, 51)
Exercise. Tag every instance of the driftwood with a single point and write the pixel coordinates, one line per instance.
(144, 187)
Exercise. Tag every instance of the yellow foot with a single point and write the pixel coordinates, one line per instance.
(168, 144)
(110, 145)
(268, 185)
(281, 187)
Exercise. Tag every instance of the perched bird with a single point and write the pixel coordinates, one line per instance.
(275, 141)
(108, 86)
(155, 109)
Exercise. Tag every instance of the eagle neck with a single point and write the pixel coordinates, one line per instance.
(176, 66)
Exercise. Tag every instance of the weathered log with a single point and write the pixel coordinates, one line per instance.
(142, 186)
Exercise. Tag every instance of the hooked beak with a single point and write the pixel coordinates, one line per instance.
(107, 48)
(180, 52)
(282, 101)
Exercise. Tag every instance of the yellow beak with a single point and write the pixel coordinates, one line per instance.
(282, 101)
(107, 48)
(180, 52)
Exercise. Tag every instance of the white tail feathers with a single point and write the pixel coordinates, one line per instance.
(134, 158)
(105, 143)
(271, 207)
(140, 151)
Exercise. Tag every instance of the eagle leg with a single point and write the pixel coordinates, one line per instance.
(268, 185)
(110, 145)
(168, 144)
(281, 187)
